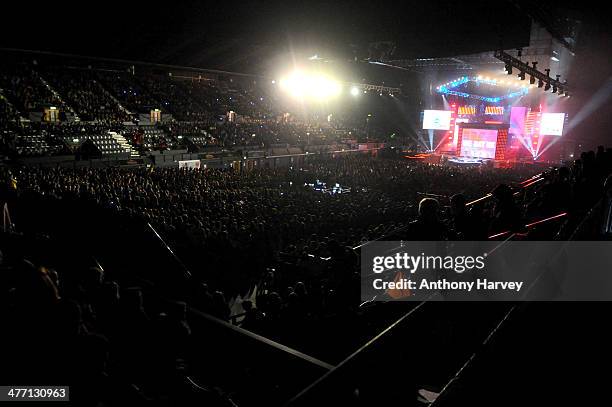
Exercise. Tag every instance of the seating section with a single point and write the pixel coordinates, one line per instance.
(156, 139)
(75, 134)
(106, 143)
(8, 115)
(128, 91)
(36, 145)
(180, 97)
(36, 140)
(201, 141)
(85, 94)
(199, 134)
(194, 110)
(25, 89)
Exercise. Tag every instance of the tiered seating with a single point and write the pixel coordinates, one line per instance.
(126, 89)
(154, 138)
(37, 141)
(86, 95)
(26, 90)
(51, 139)
(8, 115)
(202, 141)
(198, 108)
(36, 145)
(178, 97)
(106, 143)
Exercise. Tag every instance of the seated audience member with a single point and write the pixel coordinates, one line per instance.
(428, 225)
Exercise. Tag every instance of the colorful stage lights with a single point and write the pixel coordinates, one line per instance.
(450, 88)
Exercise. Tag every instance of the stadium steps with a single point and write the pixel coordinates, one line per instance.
(9, 105)
(127, 147)
(112, 97)
(71, 112)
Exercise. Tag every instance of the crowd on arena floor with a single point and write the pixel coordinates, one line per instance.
(294, 244)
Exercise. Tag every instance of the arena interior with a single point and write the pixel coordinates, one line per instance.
(187, 192)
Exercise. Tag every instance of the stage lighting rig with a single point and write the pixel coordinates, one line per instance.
(547, 87)
(508, 69)
(532, 79)
(525, 69)
(521, 76)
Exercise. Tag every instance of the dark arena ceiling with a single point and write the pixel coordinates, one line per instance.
(243, 36)
(246, 35)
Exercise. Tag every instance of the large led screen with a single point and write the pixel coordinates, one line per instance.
(478, 143)
(551, 124)
(436, 119)
(517, 121)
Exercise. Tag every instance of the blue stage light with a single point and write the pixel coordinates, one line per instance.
(448, 89)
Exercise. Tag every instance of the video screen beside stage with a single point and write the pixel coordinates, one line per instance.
(436, 119)
(551, 124)
(478, 143)
(518, 115)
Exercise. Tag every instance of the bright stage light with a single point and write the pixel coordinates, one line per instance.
(299, 85)
(354, 91)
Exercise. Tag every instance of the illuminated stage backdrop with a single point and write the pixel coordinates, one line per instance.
(482, 141)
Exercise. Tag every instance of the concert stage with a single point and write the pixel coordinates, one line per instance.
(490, 118)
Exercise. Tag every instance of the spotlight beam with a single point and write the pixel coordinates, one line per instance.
(597, 101)
(549, 145)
